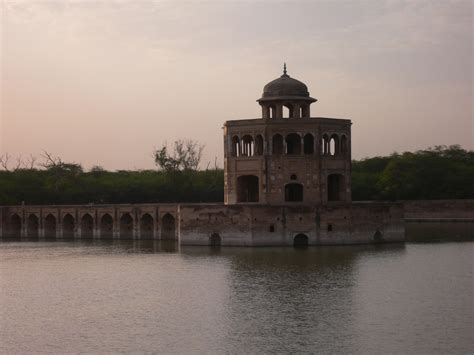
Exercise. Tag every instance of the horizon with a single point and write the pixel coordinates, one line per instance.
(107, 83)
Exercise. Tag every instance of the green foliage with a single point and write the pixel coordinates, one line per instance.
(436, 173)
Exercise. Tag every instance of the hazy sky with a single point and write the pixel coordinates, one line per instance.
(104, 82)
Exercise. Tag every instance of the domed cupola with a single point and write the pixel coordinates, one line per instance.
(285, 92)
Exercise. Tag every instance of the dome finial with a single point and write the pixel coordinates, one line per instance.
(284, 68)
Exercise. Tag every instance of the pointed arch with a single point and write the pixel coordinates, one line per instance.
(32, 226)
(126, 226)
(146, 226)
(87, 226)
(168, 227)
(69, 225)
(50, 226)
(106, 227)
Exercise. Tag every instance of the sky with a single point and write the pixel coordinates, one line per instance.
(107, 82)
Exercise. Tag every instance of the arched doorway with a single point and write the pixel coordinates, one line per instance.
(293, 192)
(32, 226)
(126, 226)
(168, 227)
(87, 226)
(215, 240)
(300, 240)
(335, 187)
(106, 227)
(68, 226)
(15, 226)
(146, 226)
(247, 188)
(50, 226)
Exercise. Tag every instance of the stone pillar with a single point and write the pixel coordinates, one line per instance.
(279, 110)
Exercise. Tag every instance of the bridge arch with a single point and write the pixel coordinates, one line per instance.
(87, 226)
(300, 240)
(15, 225)
(50, 226)
(68, 226)
(146, 226)
(126, 226)
(168, 227)
(106, 227)
(32, 226)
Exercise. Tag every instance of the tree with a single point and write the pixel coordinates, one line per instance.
(186, 156)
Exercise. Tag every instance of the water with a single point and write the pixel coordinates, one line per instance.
(62, 297)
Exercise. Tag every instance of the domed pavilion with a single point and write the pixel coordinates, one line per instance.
(287, 156)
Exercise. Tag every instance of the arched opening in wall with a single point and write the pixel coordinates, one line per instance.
(235, 149)
(293, 192)
(87, 226)
(247, 188)
(334, 145)
(325, 145)
(146, 226)
(271, 112)
(215, 240)
(288, 111)
(335, 187)
(343, 144)
(300, 240)
(277, 144)
(32, 226)
(308, 144)
(68, 226)
(15, 226)
(168, 227)
(126, 226)
(247, 146)
(106, 227)
(293, 144)
(50, 226)
(259, 145)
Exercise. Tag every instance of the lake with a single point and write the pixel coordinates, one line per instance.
(409, 298)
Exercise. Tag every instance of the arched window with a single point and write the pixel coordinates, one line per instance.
(277, 144)
(288, 111)
(235, 148)
(271, 112)
(343, 144)
(247, 146)
(293, 144)
(325, 145)
(308, 144)
(247, 188)
(259, 145)
(334, 145)
(293, 192)
(335, 187)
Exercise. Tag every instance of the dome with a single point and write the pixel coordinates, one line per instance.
(284, 88)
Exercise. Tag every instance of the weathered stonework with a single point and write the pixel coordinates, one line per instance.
(287, 182)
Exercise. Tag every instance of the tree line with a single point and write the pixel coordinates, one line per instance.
(442, 172)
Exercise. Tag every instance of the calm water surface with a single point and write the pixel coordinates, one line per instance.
(135, 297)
